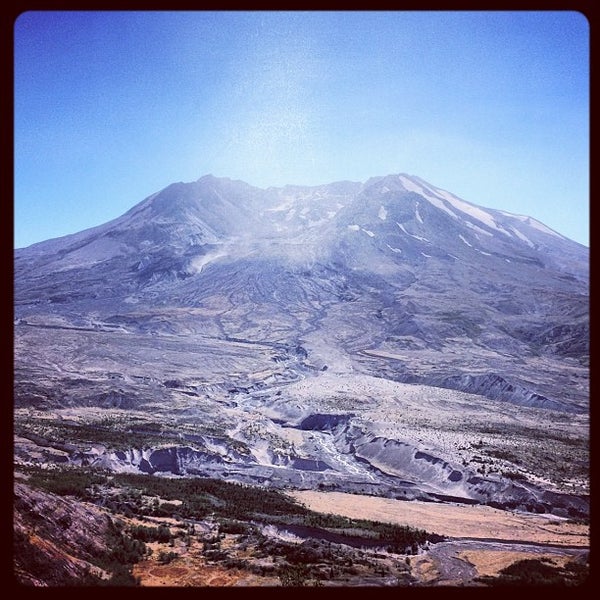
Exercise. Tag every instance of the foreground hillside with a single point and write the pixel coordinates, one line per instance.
(97, 529)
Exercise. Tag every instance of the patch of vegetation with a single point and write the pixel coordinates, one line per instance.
(531, 433)
(550, 454)
(315, 561)
(66, 481)
(164, 558)
(235, 527)
(515, 475)
(533, 572)
(54, 432)
(232, 504)
(296, 576)
(144, 533)
(124, 548)
(124, 552)
(397, 538)
(202, 497)
(199, 497)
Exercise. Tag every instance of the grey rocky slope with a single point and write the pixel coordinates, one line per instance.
(386, 337)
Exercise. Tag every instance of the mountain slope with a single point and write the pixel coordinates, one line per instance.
(210, 302)
(406, 262)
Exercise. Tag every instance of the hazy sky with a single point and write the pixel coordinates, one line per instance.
(111, 107)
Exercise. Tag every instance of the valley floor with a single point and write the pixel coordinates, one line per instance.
(453, 520)
(483, 540)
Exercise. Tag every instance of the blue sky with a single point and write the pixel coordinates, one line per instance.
(110, 107)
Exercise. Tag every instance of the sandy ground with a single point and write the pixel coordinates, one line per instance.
(453, 520)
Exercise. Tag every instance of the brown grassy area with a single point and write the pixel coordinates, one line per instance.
(188, 572)
(453, 520)
(191, 569)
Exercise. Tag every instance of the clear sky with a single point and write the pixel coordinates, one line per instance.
(111, 107)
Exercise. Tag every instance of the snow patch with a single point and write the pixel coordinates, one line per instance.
(541, 227)
(465, 241)
(394, 249)
(417, 237)
(369, 233)
(439, 204)
(354, 227)
(471, 210)
(426, 255)
(478, 229)
(272, 531)
(382, 214)
(522, 237)
(410, 186)
(533, 223)
(417, 214)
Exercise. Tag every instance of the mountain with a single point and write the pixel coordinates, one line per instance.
(384, 336)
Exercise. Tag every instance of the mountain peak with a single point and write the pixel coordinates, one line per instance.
(399, 211)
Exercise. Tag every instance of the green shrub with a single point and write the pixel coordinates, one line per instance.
(293, 575)
(235, 527)
(66, 482)
(165, 558)
(151, 534)
(515, 476)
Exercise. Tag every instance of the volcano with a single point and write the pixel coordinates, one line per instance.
(384, 336)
